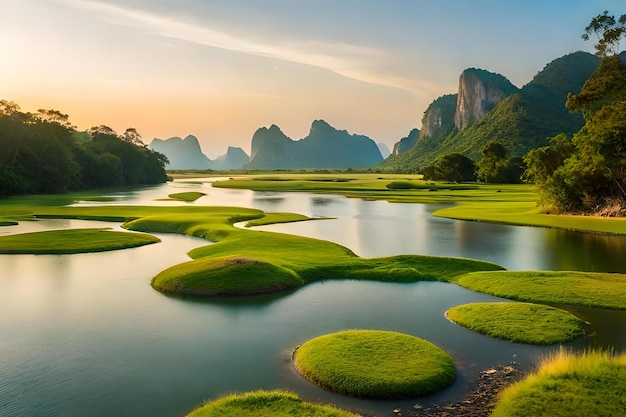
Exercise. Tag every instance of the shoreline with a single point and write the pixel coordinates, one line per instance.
(479, 402)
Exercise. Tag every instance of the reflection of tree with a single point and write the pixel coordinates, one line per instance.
(269, 200)
(574, 251)
(320, 201)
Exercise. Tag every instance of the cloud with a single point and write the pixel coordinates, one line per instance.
(352, 61)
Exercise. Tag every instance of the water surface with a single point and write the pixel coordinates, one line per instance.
(85, 334)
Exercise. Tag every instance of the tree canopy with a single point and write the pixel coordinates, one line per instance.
(587, 172)
(43, 153)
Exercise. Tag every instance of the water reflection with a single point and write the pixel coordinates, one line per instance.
(85, 334)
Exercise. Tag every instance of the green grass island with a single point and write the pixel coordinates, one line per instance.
(276, 403)
(518, 322)
(189, 196)
(70, 241)
(375, 364)
(565, 385)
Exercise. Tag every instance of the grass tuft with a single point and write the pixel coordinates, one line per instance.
(565, 385)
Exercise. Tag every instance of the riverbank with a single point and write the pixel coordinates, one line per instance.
(513, 204)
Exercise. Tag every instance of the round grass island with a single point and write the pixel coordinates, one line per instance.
(69, 241)
(375, 364)
(528, 323)
(265, 404)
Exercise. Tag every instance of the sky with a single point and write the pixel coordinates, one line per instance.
(221, 69)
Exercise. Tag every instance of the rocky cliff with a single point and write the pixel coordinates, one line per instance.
(438, 119)
(323, 147)
(479, 92)
(406, 143)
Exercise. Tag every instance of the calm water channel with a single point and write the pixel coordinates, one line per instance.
(86, 335)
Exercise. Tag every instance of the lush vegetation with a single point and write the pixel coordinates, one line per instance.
(519, 322)
(68, 241)
(375, 364)
(591, 384)
(43, 153)
(266, 404)
(495, 165)
(587, 173)
(593, 289)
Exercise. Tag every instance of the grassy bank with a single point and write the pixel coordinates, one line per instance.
(500, 203)
(590, 289)
(519, 322)
(592, 384)
(375, 364)
(266, 404)
(70, 241)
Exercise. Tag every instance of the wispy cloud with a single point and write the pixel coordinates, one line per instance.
(352, 61)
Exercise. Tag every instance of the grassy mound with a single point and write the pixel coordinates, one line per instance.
(566, 385)
(375, 364)
(519, 322)
(226, 276)
(189, 196)
(590, 289)
(266, 404)
(274, 218)
(72, 241)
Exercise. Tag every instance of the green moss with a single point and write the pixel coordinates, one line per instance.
(591, 289)
(592, 384)
(519, 322)
(72, 241)
(375, 364)
(266, 404)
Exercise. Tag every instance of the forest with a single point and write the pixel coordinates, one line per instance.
(43, 153)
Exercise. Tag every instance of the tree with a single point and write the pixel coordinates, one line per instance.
(608, 31)
(496, 167)
(451, 167)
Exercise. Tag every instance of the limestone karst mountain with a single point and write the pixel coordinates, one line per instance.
(487, 107)
(323, 147)
(181, 153)
(187, 154)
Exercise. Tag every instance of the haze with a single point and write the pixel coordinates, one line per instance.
(221, 69)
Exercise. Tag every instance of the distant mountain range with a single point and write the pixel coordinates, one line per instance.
(324, 147)
(488, 107)
(187, 154)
